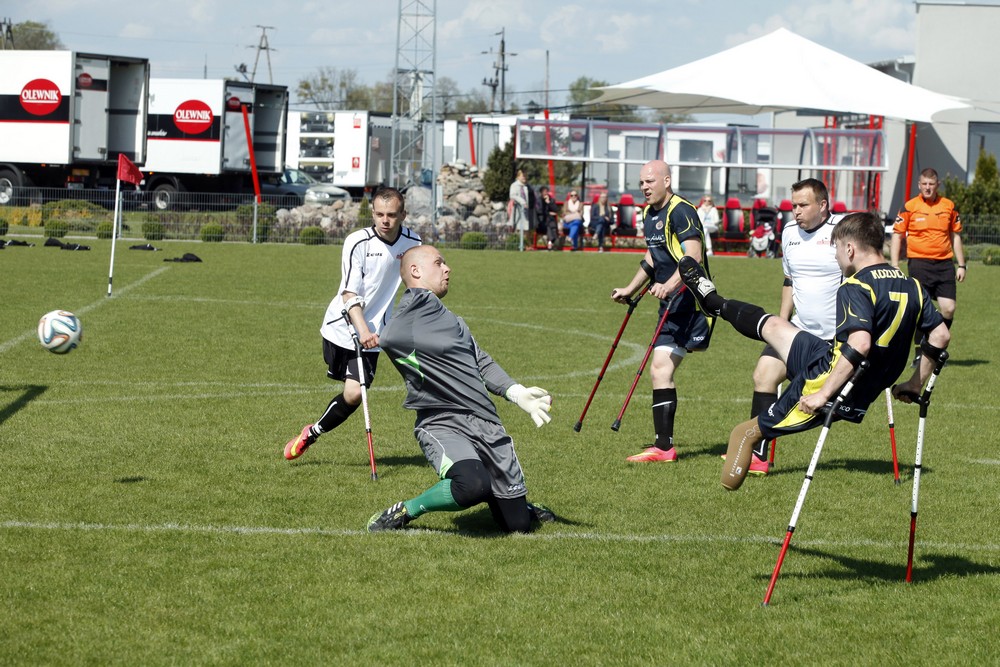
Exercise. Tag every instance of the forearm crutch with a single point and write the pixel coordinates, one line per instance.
(923, 400)
(892, 435)
(632, 303)
(659, 327)
(363, 379)
(841, 397)
(774, 442)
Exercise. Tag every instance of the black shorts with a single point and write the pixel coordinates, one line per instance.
(809, 359)
(687, 330)
(342, 364)
(936, 275)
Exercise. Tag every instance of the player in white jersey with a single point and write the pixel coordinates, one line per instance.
(812, 277)
(369, 280)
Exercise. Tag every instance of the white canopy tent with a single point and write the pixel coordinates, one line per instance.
(805, 75)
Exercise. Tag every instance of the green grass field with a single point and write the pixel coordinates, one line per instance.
(147, 515)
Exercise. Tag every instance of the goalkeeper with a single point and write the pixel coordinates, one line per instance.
(447, 377)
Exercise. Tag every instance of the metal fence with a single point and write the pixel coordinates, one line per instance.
(283, 219)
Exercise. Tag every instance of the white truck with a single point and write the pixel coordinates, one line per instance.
(66, 116)
(350, 149)
(197, 140)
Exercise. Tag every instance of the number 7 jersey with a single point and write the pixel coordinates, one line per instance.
(883, 301)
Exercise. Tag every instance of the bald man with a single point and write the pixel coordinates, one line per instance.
(447, 378)
(672, 229)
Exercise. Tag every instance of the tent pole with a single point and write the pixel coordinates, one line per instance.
(911, 149)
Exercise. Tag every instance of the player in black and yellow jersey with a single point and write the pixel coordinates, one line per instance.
(878, 311)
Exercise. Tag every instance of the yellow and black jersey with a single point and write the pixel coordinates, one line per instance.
(890, 306)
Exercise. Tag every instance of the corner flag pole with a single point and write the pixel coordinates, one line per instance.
(114, 230)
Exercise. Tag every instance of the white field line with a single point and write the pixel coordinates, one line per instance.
(545, 535)
(6, 345)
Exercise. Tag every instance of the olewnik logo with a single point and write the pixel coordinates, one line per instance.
(40, 97)
(193, 117)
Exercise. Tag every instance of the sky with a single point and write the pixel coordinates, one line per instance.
(557, 42)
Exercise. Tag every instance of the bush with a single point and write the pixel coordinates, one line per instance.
(153, 231)
(105, 230)
(3, 227)
(267, 217)
(213, 232)
(312, 236)
(365, 213)
(513, 241)
(56, 229)
(991, 256)
(473, 241)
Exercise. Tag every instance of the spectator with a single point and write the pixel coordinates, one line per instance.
(601, 218)
(517, 207)
(709, 216)
(547, 215)
(572, 218)
(932, 229)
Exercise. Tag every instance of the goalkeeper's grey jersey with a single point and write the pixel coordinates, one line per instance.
(443, 367)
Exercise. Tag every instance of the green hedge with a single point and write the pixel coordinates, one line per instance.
(312, 236)
(105, 230)
(56, 229)
(153, 231)
(473, 241)
(213, 232)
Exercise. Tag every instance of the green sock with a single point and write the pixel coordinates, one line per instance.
(438, 498)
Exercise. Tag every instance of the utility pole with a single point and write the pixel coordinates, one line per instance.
(262, 45)
(499, 69)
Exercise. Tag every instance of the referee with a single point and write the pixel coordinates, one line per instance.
(932, 229)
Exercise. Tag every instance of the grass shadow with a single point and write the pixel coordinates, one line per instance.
(27, 393)
(967, 362)
(926, 567)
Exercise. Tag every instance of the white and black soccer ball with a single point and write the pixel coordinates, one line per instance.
(60, 331)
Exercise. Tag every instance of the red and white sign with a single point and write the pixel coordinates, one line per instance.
(84, 80)
(357, 122)
(233, 103)
(40, 97)
(193, 117)
(355, 163)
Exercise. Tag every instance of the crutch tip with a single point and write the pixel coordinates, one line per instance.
(578, 426)
(374, 477)
(616, 425)
(897, 482)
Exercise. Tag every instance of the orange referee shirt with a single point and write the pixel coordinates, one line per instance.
(928, 227)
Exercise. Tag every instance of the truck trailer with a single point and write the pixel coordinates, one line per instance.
(197, 140)
(65, 117)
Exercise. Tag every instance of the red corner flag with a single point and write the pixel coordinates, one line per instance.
(127, 171)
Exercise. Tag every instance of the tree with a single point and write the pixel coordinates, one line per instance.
(331, 88)
(982, 196)
(499, 172)
(35, 36)
(581, 91)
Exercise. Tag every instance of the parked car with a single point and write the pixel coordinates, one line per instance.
(295, 187)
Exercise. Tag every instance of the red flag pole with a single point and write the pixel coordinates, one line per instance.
(472, 142)
(253, 159)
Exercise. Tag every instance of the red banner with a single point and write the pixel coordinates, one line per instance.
(127, 171)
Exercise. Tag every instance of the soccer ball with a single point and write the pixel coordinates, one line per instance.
(60, 331)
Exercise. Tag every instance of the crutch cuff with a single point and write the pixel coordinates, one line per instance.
(647, 268)
(354, 301)
(932, 351)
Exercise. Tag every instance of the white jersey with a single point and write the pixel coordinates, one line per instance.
(369, 267)
(808, 258)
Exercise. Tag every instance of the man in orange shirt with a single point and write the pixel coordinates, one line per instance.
(932, 230)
